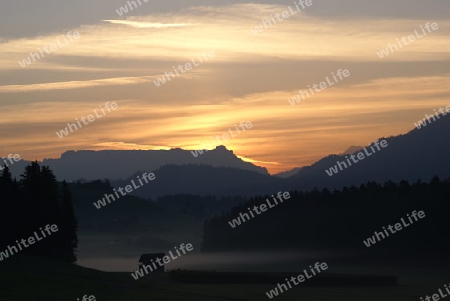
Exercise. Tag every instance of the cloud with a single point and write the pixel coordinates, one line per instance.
(227, 31)
(76, 84)
(289, 135)
(137, 24)
(256, 161)
(128, 146)
(28, 18)
(250, 78)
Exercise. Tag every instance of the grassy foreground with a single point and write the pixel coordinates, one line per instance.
(31, 278)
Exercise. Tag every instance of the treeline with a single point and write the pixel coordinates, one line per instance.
(200, 206)
(339, 220)
(128, 215)
(32, 202)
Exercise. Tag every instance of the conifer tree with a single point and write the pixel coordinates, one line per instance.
(68, 225)
(6, 206)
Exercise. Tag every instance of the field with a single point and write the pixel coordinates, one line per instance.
(28, 278)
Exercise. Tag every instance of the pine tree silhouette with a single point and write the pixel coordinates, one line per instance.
(68, 225)
(32, 203)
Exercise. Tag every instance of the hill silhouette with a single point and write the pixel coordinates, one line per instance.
(203, 180)
(120, 164)
(419, 154)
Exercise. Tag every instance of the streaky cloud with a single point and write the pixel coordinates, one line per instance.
(139, 24)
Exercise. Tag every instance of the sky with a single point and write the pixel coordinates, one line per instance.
(250, 78)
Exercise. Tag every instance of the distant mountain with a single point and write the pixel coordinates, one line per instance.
(121, 164)
(420, 154)
(203, 180)
(289, 173)
(352, 149)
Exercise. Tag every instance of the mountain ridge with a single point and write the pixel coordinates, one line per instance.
(120, 164)
(407, 157)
